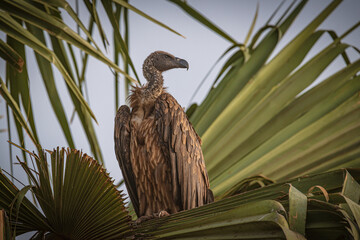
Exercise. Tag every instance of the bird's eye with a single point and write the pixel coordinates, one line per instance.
(167, 56)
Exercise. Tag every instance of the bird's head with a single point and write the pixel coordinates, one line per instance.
(164, 61)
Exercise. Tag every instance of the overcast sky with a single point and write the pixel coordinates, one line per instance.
(201, 48)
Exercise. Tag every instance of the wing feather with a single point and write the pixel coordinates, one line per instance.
(122, 151)
(182, 146)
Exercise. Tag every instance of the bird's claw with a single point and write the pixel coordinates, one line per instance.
(162, 213)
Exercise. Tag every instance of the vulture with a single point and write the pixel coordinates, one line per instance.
(157, 148)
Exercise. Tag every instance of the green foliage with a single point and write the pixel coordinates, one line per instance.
(259, 120)
(27, 22)
(77, 198)
(286, 210)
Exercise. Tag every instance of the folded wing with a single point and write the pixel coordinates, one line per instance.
(182, 146)
(122, 151)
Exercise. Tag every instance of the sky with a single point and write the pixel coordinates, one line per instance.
(201, 48)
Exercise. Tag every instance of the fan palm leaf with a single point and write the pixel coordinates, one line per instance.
(77, 198)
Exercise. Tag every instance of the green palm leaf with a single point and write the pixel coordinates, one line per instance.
(77, 199)
(11, 56)
(258, 120)
(49, 82)
(35, 16)
(281, 211)
(40, 16)
(134, 9)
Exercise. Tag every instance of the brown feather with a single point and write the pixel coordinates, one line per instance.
(122, 151)
(185, 143)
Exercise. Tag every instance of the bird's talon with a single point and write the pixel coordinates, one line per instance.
(162, 213)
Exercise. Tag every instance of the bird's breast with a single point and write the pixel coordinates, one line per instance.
(142, 124)
(145, 147)
(137, 116)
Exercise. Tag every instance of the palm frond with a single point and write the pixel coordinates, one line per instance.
(282, 211)
(78, 200)
(199, 17)
(11, 56)
(263, 118)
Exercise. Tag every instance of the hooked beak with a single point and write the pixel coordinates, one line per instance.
(182, 63)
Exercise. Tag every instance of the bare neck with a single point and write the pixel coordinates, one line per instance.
(154, 87)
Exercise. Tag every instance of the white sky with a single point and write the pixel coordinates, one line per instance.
(201, 49)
